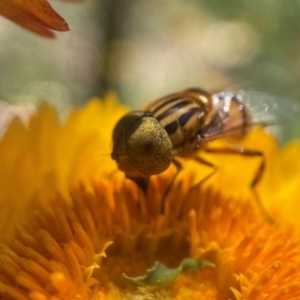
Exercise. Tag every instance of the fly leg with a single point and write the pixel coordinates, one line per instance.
(143, 183)
(208, 164)
(214, 169)
(178, 170)
(258, 175)
(178, 166)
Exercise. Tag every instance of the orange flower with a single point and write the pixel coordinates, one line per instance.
(72, 224)
(36, 15)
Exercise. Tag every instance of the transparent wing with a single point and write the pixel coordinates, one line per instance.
(267, 109)
(240, 111)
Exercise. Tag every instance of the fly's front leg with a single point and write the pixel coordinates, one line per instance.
(167, 191)
(214, 169)
(258, 175)
(179, 169)
(143, 183)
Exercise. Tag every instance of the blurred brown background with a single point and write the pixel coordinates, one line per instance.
(144, 49)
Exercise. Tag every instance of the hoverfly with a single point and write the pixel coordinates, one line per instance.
(146, 142)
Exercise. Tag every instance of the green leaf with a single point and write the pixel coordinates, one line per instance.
(160, 275)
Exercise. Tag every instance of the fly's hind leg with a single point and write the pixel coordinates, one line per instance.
(258, 175)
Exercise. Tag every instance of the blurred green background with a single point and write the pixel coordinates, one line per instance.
(145, 49)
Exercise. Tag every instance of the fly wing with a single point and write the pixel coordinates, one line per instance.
(238, 112)
(267, 109)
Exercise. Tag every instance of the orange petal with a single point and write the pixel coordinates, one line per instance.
(36, 15)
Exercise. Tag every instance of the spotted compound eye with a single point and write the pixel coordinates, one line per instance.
(149, 146)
